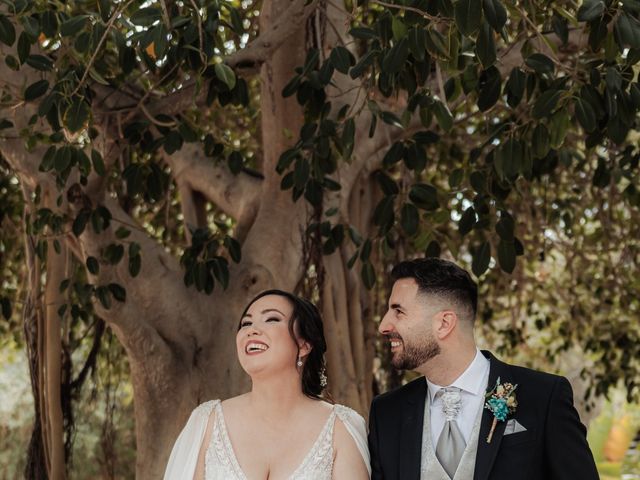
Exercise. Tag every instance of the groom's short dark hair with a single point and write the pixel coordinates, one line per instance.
(440, 277)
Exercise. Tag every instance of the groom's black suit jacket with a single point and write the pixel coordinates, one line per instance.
(554, 447)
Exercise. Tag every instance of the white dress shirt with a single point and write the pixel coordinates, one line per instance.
(473, 385)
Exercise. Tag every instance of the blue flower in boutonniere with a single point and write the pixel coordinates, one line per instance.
(501, 401)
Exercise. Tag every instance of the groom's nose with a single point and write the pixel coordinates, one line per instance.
(386, 325)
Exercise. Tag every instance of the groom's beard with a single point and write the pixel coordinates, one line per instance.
(413, 355)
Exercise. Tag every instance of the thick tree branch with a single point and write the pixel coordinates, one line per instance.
(236, 195)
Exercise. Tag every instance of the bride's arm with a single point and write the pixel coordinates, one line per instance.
(350, 460)
(199, 473)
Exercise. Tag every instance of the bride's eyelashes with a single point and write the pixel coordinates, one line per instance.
(272, 319)
(245, 323)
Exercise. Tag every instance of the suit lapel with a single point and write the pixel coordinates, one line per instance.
(411, 433)
(487, 451)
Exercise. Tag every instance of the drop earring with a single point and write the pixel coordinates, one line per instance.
(299, 362)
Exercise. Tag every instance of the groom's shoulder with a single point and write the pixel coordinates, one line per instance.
(535, 379)
(415, 388)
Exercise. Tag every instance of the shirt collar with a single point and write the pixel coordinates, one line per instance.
(473, 380)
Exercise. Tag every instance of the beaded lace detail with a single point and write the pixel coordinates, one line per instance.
(222, 464)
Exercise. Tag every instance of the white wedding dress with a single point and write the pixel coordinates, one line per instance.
(222, 464)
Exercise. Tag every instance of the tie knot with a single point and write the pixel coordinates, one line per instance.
(451, 402)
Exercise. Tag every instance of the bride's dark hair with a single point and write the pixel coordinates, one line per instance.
(307, 323)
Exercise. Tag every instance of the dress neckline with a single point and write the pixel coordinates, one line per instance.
(231, 454)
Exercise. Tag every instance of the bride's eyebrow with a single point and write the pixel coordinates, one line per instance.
(272, 310)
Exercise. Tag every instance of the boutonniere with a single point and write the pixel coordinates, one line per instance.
(501, 401)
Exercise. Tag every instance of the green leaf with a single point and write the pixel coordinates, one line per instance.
(81, 221)
(515, 87)
(417, 40)
(486, 46)
(507, 255)
(383, 215)
(366, 60)
(398, 28)
(135, 264)
(103, 296)
(348, 135)
(495, 14)
(63, 159)
(233, 246)
(436, 44)
(394, 154)
(395, 58)
(76, 115)
(409, 219)
(145, 17)
(7, 31)
(546, 103)
(540, 63)
(73, 26)
(342, 59)
(391, 118)
(590, 10)
(387, 184)
(35, 90)
(627, 28)
(363, 33)
(49, 23)
(481, 259)
(585, 115)
(92, 265)
(40, 62)
(5, 303)
(122, 233)
(114, 253)
(368, 275)
(558, 127)
(443, 115)
(541, 142)
(467, 221)
(12, 63)
(505, 227)
(433, 250)
(226, 75)
(424, 196)
(98, 163)
(118, 292)
(24, 46)
(491, 86)
(235, 162)
(468, 15)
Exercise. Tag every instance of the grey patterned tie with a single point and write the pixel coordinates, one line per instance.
(451, 442)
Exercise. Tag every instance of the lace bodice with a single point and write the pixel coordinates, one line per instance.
(222, 464)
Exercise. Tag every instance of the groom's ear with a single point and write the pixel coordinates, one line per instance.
(446, 322)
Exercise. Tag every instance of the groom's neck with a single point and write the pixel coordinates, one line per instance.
(445, 368)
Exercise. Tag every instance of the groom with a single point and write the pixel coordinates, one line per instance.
(437, 427)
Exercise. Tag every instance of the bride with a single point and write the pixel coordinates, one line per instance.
(281, 429)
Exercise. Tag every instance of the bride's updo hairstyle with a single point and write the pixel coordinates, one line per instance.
(307, 323)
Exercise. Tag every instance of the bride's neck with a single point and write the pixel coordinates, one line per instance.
(276, 396)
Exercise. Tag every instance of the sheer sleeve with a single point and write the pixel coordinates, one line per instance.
(357, 428)
(184, 455)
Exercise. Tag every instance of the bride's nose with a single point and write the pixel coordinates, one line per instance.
(252, 330)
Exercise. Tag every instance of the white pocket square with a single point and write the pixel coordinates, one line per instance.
(513, 426)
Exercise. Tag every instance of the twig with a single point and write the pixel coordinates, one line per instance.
(409, 9)
(165, 15)
(155, 120)
(441, 84)
(203, 57)
(112, 20)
